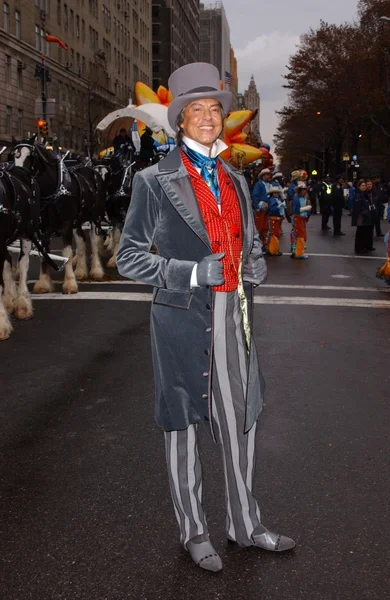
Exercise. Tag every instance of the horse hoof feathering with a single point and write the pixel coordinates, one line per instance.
(70, 287)
(23, 309)
(43, 285)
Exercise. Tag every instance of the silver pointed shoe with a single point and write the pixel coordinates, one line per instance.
(274, 542)
(204, 555)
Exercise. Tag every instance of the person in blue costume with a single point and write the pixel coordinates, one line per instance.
(300, 210)
(260, 204)
(276, 214)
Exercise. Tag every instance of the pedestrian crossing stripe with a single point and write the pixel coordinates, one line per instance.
(273, 300)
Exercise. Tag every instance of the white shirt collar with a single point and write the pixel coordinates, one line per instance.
(218, 147)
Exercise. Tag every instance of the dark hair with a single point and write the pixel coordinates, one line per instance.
(179, 123)
(360, 182)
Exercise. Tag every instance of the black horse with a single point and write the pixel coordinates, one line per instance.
(19, 220)
(71, 194)
(117, 173)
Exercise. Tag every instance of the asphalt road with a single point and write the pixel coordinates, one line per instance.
(85, 511)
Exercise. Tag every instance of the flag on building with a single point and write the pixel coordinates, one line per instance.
(56, 40)
(228, 78)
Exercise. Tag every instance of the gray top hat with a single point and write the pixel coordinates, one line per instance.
(194, 82)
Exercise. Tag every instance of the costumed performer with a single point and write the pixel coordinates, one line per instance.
(196, 209)
(260, 204)
(300, 212)
(276, 214)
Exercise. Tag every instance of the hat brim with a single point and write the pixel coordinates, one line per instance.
(177, 104)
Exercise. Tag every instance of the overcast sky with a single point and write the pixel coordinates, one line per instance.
(265, 33)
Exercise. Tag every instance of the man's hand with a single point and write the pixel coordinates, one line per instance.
(255, 270)
(209, 270)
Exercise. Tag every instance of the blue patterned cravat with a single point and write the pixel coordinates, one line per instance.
(208, 169)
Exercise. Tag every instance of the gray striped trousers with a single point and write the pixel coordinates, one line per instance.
(238, 449)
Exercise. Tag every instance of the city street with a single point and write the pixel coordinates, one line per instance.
(85, 509)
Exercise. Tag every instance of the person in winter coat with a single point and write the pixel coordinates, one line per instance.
(147, 146)
(313, 192)
(374, 193)
(196, 209)
(351, 197)
(276, 213)
(260, 204)
(324, 199)
(301, 210)
(337, 205)
(363, 217)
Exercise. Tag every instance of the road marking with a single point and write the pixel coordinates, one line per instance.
(341, 276)
(290, 300)
(358, 257)
(335, 288)
(330, 288)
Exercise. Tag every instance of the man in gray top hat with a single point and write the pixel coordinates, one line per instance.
(196, 210)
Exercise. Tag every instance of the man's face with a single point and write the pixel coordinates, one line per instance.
(123, 132)
(267, 177)
(369, 186)
(203, 121)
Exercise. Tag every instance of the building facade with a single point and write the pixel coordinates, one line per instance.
(109, 48)
(215, 39)
(234, 79)
(175, 30)
(252, 102)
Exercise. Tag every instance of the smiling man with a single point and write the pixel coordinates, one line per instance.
(196, 210)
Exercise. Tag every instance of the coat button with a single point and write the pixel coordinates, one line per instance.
(208, 329)
(205, 374)
(208, 306)
(207, 352)
(204, 396)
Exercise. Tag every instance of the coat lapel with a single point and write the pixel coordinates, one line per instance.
(176, 184)
(240, 184)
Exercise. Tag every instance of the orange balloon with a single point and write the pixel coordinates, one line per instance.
(236, 122)
(239, 138)
(145, 95)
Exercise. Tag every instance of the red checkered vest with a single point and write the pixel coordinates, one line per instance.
(224, 229)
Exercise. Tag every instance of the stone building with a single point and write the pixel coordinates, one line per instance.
(234, 79)
(175, 30)
(109, 47)
(215, 38)
(252, 102)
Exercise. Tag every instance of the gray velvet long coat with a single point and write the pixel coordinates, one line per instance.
(164, 212)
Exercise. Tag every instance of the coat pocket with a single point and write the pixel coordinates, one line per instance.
(173, 298)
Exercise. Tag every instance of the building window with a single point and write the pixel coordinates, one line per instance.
(37, 38)
(59, 8)
(20, 122)
(6, 17)
(7, 68)
(83, 31)
(71, 22)
(8, 119)
(17, 24)
(77, 26)
(44, 45)
(66, 17)
(20, 78)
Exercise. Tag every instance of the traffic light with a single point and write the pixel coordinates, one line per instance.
(43, 128)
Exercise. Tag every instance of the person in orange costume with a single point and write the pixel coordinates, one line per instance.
(300, 213)
(260, 204)
(276, 212)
